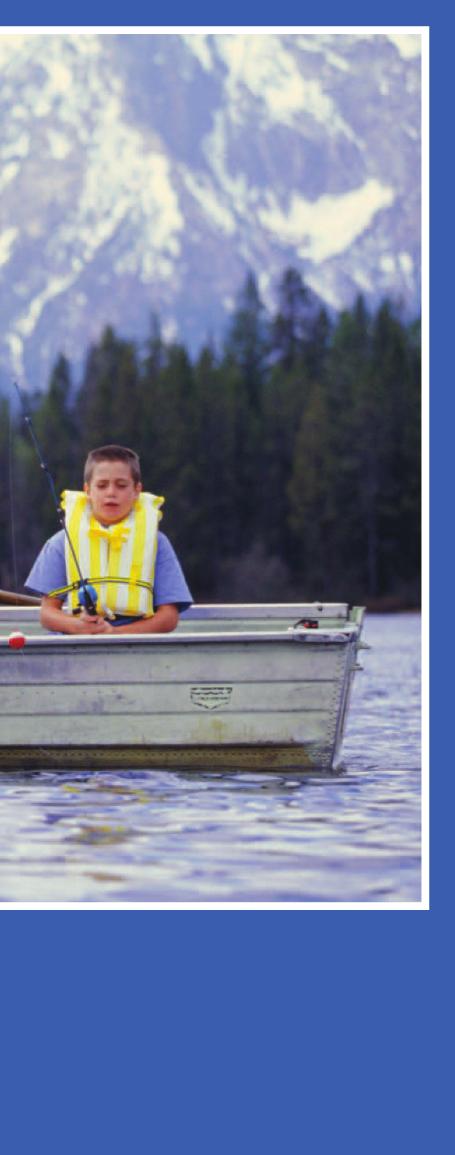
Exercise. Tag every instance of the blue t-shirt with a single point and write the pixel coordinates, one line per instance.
(170, 588)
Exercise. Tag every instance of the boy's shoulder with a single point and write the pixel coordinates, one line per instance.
(57, 541)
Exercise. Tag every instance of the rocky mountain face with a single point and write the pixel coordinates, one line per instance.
(146, 174)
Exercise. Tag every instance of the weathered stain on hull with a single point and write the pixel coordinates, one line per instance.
(260, 758)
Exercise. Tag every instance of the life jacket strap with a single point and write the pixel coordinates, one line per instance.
(99, 581)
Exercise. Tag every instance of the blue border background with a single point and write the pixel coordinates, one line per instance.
(251, 1030)
(250, 12)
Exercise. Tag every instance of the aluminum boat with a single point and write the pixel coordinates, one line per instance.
(263, 686)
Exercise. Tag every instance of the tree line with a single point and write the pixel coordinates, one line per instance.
(289, 458)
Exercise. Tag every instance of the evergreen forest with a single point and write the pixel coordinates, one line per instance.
(289, 457)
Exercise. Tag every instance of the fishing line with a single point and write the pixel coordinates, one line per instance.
(89, 595)
(11, 496)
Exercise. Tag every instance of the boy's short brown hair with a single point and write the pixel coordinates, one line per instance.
(112, 453)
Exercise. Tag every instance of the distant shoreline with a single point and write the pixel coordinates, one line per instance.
(391, 605)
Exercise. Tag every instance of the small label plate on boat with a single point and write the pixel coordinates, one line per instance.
(210, 697)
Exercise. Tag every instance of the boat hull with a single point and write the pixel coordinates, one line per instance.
(257, 698)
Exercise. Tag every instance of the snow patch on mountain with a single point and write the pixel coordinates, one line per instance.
(393, 263)
(409, 45)
(270, 72)
(206, 196)
(329, 224)
(8, 173)
(59, 144)
(235, 187)
(199, 45)
(7, 239)
(121, 178)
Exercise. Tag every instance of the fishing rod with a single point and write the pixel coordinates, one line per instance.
(87, 594)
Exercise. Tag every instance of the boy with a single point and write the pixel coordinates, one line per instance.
(113, 529)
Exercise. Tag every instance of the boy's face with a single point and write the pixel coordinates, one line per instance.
(112, 491)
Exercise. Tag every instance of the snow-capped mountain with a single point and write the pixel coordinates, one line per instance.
(147, 173)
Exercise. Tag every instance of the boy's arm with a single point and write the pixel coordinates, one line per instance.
(53, 617)
(164, 620)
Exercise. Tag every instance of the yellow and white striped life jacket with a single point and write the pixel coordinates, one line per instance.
(124, 550)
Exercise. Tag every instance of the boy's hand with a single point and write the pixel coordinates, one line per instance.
(91, 624)
(53, 617)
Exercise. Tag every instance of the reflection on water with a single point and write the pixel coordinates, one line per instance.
(152, 836)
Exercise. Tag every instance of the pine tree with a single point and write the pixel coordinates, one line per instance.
(312, 502)
(168, 439)
(289, 326)
(247, 340)
(109, 403)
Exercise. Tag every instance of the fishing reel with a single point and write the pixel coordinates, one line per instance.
(87, 598)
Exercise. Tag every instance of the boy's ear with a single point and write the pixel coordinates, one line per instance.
(139, 487)
(86, 487)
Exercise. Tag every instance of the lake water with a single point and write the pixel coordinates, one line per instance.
(165, 837)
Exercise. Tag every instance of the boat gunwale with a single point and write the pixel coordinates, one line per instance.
(224, 609)
(337, 635)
